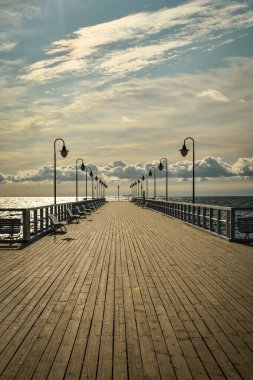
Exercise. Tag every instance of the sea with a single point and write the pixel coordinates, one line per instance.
(27, 202)
(13, 203)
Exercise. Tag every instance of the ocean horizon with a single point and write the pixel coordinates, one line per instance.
(227, 201)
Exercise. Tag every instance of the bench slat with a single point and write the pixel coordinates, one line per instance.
(10, 226)
(245, 225)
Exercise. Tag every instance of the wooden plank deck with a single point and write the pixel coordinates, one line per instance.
(127, 294)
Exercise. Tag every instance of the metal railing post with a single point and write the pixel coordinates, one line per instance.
(232, 224)
(26, 225)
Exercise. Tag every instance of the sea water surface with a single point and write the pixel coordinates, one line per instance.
(227, 201)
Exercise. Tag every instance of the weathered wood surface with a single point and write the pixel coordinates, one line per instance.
(127, 294)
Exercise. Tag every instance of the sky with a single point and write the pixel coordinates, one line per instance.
(124, 83)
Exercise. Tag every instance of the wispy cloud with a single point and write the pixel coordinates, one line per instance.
(131, 43)
(213, 94)
(12, 16)
(7, 46)
(16, 11)
(132, 120)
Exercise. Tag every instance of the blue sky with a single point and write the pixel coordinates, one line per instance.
(124, 83)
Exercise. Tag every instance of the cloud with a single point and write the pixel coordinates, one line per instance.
(165, 110)
(7, 46)
(131, 43)
(243, 167)
(127, 120)
(213, 95)
(13, 12)
(2, 178)
(212, 167)
(208, 167)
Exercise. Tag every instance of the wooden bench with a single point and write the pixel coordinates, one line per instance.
(245, 226)
(55, 223)
(10, 227)
(81, 213)
(71, 217)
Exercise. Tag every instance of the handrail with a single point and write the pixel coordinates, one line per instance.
(34, 220)
(219, 220)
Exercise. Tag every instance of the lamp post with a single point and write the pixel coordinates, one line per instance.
(105, 187)
(118, 193)
(150, 175)
(132, 186)
(133, 189)
(64, 153)
(82, 167)
(143, 179)
(100, 188)
(160, 167)
(96, 179)
(184, 151)
(86, 179)
(138, 183)
(92, 187)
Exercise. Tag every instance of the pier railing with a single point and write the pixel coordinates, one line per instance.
(219, 220)
(35, 220)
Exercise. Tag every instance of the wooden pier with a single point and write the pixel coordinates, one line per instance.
(127, 294)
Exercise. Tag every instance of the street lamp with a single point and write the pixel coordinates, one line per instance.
(82, 167)
(86, 179)
(143, 179)
(150, 175)
(160, 167)
(105, 187)
(64, 153)
(100, 188)
(138, 183)
(96, 179)
(184, 151)
(92, 187)
(132, 186)
(135, 187)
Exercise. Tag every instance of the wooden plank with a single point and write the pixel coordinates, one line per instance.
(130, 294)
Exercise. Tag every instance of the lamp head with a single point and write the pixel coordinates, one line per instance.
(139, 180)
(143, 177)
(64, 151)
(184, 150)
(160, 166)
(96, 178)
(91, 174)
(150, 173)
(83, 167)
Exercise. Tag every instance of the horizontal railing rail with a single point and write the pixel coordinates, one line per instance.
(34, 220)
(219, 220)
